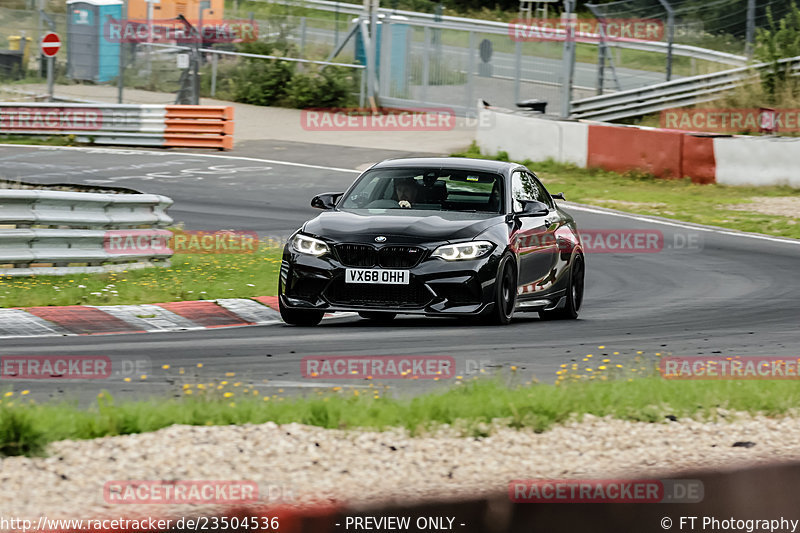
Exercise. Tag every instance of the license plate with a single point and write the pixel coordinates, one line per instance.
(377, 276)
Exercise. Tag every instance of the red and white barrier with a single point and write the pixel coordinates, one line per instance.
(729, 160)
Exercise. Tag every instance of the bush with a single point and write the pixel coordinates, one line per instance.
(261, 81)
(777, 41)
(328, 87)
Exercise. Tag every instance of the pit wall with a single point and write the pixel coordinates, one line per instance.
(727, 160)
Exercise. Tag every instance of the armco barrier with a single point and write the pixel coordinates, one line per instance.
(757, 160)
(623, 149)
(526, 137)
(663, 153)
(50, 232)
(122, 124)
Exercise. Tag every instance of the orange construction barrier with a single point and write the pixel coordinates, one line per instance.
(192, 126)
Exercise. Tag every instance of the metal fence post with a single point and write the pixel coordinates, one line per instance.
(214, 58)
(670, 35)
(517, 69)
(426, 62)
(568, 61)
(470, 70)
(751, 28)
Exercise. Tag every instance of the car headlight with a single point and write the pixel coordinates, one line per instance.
(463, 250)
(309, 245)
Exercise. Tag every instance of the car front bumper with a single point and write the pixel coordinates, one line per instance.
(437, 287)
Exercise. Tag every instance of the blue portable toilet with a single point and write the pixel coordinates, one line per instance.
(398, 53)
(91, 55)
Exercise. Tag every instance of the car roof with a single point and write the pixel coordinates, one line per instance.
(461, 163)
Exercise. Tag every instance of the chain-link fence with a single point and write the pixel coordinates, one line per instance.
(421, 62)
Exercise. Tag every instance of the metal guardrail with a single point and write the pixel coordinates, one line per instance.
(488, 26)
(133, 125)
(55, 232)
(672, 94)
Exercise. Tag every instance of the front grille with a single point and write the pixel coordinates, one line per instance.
(357, 255)
(366, 255)
(373, 295)
(399, 256)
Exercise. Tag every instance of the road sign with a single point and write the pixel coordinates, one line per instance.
(51, 44)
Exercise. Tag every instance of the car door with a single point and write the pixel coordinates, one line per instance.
(533, 237)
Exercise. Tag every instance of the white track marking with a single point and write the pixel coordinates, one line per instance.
(719, 231)
(111, 151)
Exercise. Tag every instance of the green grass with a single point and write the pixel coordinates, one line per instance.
(56, 140)
(191, 277)
(26, 428)
(678, 199)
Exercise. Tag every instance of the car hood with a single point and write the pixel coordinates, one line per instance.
(410, 227)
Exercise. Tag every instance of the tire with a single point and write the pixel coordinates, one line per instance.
(377, 316)
(300, 317)
(505, 295)
(574, 294)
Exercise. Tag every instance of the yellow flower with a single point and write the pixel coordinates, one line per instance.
(127, 380)
(143, 376)
(25, 392)
(223, 382)
(165, 367)
(601, 347)
(230, 374)
(188, 391)
(228, 394)
(199, 365)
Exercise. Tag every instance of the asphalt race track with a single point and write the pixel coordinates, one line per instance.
(707, 292)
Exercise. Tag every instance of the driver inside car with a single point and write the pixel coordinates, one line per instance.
(406, 190)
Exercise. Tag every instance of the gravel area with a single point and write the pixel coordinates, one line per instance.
(787, 206)
(300, 464)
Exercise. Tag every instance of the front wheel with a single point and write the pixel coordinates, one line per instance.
(505, 293)
(574, 294)
(300, 317)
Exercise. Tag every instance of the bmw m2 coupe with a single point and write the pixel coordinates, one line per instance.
(436, 237)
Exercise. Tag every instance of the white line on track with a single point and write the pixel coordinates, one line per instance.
(698, 227)
(112, 151)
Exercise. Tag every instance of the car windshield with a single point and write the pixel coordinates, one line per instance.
(427, 189)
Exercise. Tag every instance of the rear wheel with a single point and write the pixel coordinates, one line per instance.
(300, 317)
(505, 293)
(377, 316)
(574, 296)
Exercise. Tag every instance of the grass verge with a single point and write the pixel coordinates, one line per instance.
(56, 140)
(191, 277)
(679, 199)
(26, 429)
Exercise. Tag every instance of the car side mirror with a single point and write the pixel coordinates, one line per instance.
(558, 196)
(532, 208)
(326, 200)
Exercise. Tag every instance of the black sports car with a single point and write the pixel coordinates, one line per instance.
(435, 236)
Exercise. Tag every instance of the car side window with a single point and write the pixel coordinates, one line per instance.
(544, 195)
(525, 187)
